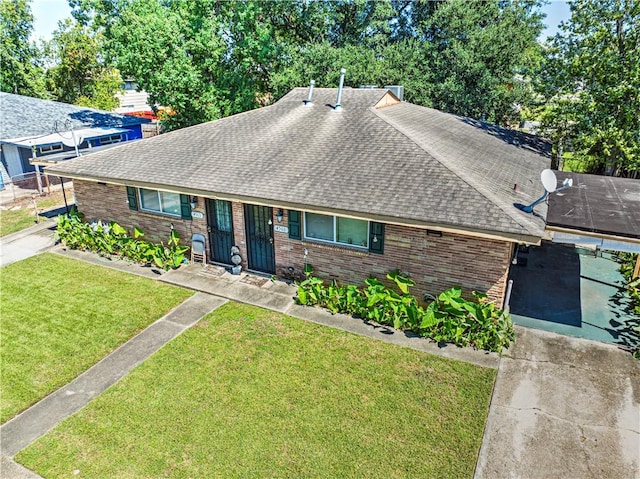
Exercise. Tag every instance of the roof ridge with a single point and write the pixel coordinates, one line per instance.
(529, 226)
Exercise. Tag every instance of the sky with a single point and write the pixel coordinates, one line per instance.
(47, 13)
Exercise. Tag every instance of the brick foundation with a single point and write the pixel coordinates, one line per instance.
(434, 263)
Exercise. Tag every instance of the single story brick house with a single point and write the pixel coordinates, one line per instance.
(373, 185)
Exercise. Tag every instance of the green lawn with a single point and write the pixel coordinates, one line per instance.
(12, 221)
(253, 393)
(60, 316)
(15, 220)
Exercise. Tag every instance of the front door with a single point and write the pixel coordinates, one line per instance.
(260, 247)
(220, 226)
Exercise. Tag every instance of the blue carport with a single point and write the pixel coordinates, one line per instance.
(578, 290)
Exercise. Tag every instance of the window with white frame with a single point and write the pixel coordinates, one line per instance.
(336, 229)
(107, 140)
(159, 201)
(51, 148)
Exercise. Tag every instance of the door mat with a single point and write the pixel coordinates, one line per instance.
(254, 280)
(213, 270)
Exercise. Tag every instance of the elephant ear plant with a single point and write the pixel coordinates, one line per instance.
(449, 318)
(112, 239)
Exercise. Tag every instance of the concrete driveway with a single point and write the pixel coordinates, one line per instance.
(563, 407)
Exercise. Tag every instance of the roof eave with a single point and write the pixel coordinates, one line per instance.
(511, 237)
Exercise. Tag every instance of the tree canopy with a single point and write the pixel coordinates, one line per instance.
(206, 59)
(590, 81)
(21, 71)
(79, 74)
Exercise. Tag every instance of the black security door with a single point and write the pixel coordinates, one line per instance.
(220, 221)
(260, 238)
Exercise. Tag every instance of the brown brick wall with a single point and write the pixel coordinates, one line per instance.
(434, 263)
(239, 231)
(109, 202)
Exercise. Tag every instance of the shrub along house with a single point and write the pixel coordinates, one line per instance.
(364, 187)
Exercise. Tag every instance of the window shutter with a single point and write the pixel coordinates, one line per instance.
(132, 198)
(376, 237)
(294, 225)
(185, 207)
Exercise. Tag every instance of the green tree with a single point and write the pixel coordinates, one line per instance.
(478, 54)
(80, 75)
(591, 82)
(206, 59)
(20, 66)
(175, 51)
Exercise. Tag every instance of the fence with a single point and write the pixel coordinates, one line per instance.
(27, 184)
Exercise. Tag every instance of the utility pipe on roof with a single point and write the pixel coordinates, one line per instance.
(311, 84)
(342, 72)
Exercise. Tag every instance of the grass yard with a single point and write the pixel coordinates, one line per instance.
(60, 316)
(253, 393)
(23, 216)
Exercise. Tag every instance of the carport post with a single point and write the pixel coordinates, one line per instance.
(66, 206)
(636, 270)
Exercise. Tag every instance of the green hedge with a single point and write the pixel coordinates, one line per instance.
(449, 318)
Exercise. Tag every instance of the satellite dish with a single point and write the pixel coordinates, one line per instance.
(550, 183)
(549, 180)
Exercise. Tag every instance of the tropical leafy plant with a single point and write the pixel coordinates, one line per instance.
(627, 265)
(112, 239)
(478, 323)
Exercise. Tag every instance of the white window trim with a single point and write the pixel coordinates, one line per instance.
(156, 212)
(109, 140)
(335, 232)
(51, 148)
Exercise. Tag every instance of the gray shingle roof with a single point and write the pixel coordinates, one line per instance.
(400, 163)
(25, 116)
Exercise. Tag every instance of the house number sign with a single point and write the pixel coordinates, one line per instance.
(197, 215)
(281, 229)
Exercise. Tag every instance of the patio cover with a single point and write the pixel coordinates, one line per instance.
(598, 210)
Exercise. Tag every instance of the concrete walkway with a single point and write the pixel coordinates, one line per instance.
(563, 407)
(28, 426)
(26, 243)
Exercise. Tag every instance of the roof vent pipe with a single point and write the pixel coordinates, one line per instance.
(342, 72)
(311, 84)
